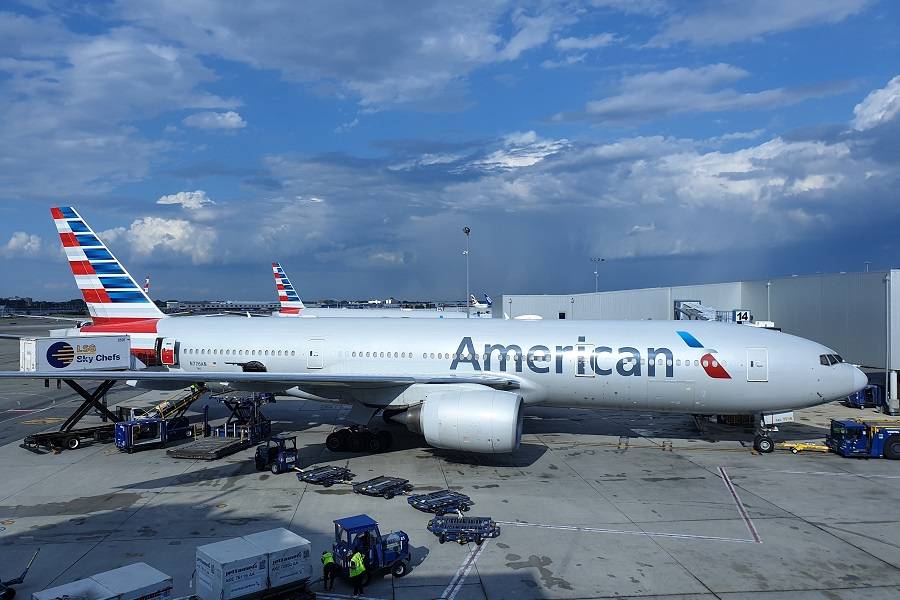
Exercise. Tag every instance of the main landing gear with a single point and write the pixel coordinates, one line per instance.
(358, 439)
(762, 442)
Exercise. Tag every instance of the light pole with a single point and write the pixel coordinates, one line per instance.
(467, 231)
(597, 260)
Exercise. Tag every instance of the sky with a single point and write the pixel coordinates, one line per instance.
(683, 142)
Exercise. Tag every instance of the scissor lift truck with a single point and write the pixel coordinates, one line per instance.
(381, 552)
(278, 454)
(325, 476)
(865, 438)
(384, 486)
(441, 502)
(463, 529)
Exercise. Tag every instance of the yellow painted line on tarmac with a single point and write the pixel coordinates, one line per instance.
(43, 421)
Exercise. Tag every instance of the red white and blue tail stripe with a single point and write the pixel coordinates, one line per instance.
(112, 295)
(291, 305)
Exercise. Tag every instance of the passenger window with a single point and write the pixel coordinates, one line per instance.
(678, 362)
(705, 364)
(432, 355)
(292, 352)
(402, 354)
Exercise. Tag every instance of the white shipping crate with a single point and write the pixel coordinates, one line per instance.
(135, 581)
(776, 418)
(83, 589)
(288, 554)
(230, 569)
(75, 353)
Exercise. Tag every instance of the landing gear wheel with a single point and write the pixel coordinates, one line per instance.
(479, 540)
(337, 440)
(892, 447)
(260, 466)
(763, 444)
(387, 440)
(442, 538)
(388, 495)
(357, 441)
(399, 569)
(275, 469)
(373, 443)
(72, 443)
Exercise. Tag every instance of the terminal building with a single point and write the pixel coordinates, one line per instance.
(857, 314)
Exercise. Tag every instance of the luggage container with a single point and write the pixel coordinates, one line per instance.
(230, 569)
(325, 476)
(463, 529)
(384, 486)
(288, 555)
(131, 582)
(441, 502)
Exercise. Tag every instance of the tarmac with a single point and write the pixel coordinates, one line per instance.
(594, 505)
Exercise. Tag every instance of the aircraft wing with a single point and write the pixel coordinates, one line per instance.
(320, 379)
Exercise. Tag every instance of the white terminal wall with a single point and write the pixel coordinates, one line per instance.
(845, 311)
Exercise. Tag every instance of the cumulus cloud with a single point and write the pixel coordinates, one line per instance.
(520, 149)
(657, 94)
(738, 20)
(188, 200)
(215, 120)
(879, 107)
(151, 236)
(22, 244)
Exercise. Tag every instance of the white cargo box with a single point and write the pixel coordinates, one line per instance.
(131, 582)
(139, 580)
(288, 554)
(76, 353)
(230, 569)
(776, 418)
(83, 589)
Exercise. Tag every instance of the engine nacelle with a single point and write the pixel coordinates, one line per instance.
(487, 420)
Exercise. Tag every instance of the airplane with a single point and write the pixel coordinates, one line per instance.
(292, 305)
(480, 306)
(463, 385)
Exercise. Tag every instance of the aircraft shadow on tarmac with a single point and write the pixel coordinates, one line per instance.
(635, 424)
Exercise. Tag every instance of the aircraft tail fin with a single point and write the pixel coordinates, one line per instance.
(487, 299)
(111, 294)
(291, 305)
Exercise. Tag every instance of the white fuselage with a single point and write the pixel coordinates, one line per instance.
(715, 369)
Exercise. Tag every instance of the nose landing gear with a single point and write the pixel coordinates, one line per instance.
(358, 439)
(762, 442)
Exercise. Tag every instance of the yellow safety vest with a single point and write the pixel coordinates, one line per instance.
(327, 558)
(356, 565)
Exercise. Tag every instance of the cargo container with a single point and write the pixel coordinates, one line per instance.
(230, 569)
(131, 582)
(288, 554)
(98, 352)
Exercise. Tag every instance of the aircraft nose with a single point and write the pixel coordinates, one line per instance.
(860, 380)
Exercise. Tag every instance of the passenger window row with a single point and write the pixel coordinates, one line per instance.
(230, 352)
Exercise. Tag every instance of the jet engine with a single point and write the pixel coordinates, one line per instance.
(487, 420)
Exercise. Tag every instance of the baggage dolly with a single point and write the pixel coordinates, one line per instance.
(463, 529)
(441, 502)
(325, 476)
(384, 486)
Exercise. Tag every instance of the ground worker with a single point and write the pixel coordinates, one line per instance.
(328, 569)
(357, 572)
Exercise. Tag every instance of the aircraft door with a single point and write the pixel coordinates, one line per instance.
(757, 364)
(168, 352)
(315, 356)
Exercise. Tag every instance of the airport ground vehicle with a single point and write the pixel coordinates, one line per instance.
(388, 552)
(384, 486)
(325, 476)
(139, 434)
(278, 454)
(865, 438)
(868, 397)
(441, 502)
(6, 590)
(463, 529)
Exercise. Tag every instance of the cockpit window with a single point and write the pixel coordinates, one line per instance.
(830, 359)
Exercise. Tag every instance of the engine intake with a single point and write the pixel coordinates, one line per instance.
(487, 421)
